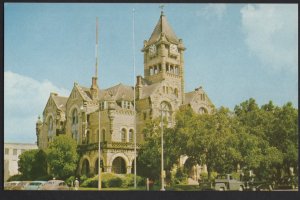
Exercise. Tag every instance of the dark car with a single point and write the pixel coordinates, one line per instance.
(287, 182)
(258, 185)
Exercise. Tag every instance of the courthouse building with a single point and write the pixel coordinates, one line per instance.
(162, 86)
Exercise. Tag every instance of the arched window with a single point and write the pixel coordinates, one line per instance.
(50, 126)
(166, 111)
(176, 92)
(131, 135)
(123, 135)
(202, 110)
(75, 125)
(151, 70)
(103, 136)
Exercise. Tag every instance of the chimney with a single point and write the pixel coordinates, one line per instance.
(94, 88)
(139, 86)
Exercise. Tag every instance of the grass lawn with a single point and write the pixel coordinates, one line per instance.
(143, 188)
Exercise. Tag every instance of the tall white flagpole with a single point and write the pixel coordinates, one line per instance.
(99, 133)
(135, 130)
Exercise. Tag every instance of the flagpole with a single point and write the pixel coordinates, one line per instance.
(99, 132)
(133, 49)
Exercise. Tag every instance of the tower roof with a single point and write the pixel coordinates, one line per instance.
(163, 26)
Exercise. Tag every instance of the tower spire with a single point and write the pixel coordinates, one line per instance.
(162, 9)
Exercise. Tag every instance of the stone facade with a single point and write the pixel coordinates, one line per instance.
(159, 92)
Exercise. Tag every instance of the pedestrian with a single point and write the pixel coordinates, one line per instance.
(76, 183)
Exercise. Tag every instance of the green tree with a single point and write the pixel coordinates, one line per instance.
(149, 158)
(33, 164)
(62, 156)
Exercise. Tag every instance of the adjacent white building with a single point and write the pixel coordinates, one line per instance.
(12, 151)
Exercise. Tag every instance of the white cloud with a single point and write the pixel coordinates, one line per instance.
(24, 100)
(213, 10)
(272, 34)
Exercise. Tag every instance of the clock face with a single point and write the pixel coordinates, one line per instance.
(152, 49)
(173, 48)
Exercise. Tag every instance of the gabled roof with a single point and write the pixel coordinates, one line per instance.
(60, 102)
(117, 92)
(189, 97)
(147, 90)
(163, 26)
(84, 92)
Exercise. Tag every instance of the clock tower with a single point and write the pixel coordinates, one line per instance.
(163, 59)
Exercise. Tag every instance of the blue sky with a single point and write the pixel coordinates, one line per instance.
(235, 51)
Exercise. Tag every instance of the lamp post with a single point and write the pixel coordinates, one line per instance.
(162, 151)
(99, 152)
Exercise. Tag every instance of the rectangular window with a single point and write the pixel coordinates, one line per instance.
(6, 151)
(15, 152)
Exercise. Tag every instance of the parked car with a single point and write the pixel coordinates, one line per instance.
(10, 184)
(55, 185)
(20, 186)
(205, 185)
(35, 185)
(227, 182)
(258, 186)
(287, 182)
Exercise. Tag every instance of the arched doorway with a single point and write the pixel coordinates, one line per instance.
(85, 170)
(96, 166)
(119, 166)
(190, 168)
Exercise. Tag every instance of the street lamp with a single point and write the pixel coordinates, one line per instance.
(99, 150)
(162, 145)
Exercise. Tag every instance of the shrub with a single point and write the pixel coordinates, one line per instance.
(113, 180)
(180, 177)
(83, 178)
(213, 176)
(204, 176)
(70, 180)
(128, 180)
(43, 178)
(17, 177)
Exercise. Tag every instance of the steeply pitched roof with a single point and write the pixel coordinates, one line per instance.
(189, 97)
(163, 26)
(60, 102)
(147, 90)
(118, 92)
(84, 92)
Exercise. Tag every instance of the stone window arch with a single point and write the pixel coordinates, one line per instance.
(166, 111)
(202, 110)
(50, 126)
(151, 70)
(74, 125)
(119, 165)
(85, 168)
(131, 135)
(123, 135)
(176, 92)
